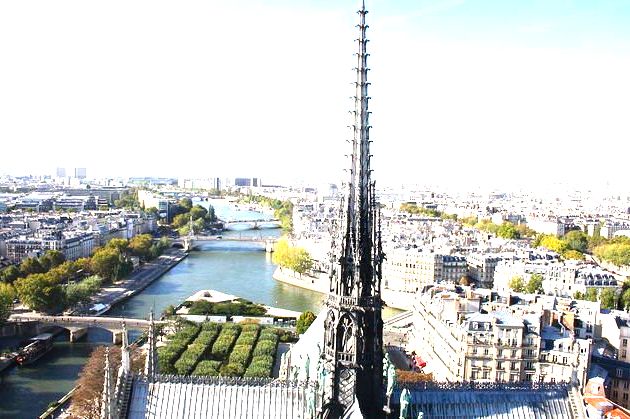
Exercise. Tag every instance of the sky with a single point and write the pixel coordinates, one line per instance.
(467, 93)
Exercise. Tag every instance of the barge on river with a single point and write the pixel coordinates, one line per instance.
(39, 346)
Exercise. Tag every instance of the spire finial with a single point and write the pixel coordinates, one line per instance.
(107, 396)
(150, 366)
(125, 362)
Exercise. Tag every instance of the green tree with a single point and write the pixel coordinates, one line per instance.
(106, 262)
(128, 200)
(10, 274)
(31, 266)
(304, 321)
(180, 220)
(608, 298)
(579, 296)
(198, 212)
(7, 295)
(576, 240)
(81, 292)
(121, 245)
(534, 285)
(301, 261)
(211, 215)
(140, 245)
(591, 294)
(52, 259)
(517, 283)
(185, 203)
(507, 231)
(625, 299)
(464, 280)
(617, 253)
(40, 292)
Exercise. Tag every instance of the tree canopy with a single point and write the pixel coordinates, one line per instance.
(294, 258)
(304, 322)
(517, 284)
(7, 295)
(534, 285)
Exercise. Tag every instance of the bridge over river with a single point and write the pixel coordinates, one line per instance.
(192, 241)
(79, 325)
(259, 224)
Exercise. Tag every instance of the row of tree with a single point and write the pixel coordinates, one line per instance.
(295, 258)
(575, 243)
(615, 251)
(50, 284)
(184, 210)
(506, 230)
(282, 210)
(413, 208)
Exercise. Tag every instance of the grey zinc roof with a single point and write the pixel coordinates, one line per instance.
(190, 397)
(493, 401)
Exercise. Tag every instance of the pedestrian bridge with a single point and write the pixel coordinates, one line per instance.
(79, 325)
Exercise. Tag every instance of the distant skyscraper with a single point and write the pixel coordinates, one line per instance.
(61, 172)
(80, 173)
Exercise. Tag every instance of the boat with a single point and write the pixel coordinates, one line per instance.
(39, 346)
(99, 308)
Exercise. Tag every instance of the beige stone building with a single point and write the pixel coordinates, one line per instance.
(462, 344)
(410, 270)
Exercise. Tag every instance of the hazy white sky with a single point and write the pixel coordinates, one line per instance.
(471, 92)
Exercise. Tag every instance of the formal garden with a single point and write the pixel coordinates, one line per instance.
(222, 349)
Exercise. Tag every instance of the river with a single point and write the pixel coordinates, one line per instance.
(238, 268)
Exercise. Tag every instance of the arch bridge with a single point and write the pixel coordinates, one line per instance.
(190, 242)
(78, 325)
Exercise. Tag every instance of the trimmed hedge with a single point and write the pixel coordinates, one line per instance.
(233, 369)
(175, 347)
(225, 341)
(207, 368)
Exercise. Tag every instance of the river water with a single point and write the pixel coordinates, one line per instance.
(233, 267)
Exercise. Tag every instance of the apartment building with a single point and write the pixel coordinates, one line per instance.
(462, 344)
(481, 268)
(410, 270)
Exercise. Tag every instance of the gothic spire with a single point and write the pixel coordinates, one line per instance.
(353, 353)
(125, 362)
(107, 402)
(150, 366)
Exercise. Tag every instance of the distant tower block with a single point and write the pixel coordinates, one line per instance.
(80, 173)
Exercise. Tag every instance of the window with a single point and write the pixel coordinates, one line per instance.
(619, 372)
(623, 353)
(625, 342)
(625, 385)
(625, 397)
(486, 351)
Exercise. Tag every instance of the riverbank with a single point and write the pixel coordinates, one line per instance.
(320, 283)
(139, 279)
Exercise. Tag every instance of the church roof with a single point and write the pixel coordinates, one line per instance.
(492, 400)
(205, 397)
